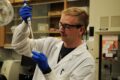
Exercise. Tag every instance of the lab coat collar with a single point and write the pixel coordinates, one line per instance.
(76, 52)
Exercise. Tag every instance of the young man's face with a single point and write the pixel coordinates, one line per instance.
(68, 28)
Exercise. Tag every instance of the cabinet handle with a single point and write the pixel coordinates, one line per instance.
(103, 29)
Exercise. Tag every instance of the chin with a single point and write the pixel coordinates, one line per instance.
(64, 39)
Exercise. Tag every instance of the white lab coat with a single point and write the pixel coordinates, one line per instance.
(77, 65)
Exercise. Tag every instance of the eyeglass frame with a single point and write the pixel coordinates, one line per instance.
(69, 26)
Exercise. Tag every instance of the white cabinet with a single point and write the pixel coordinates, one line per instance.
(105, 15)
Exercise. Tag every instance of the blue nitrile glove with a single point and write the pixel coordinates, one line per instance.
(42, 61)
(25, 12)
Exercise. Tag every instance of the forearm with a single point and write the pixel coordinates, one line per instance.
(21, 32)
(20, 40)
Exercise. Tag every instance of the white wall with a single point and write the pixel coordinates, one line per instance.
(108, 9)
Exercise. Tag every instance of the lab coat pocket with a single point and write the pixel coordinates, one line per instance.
(64, 76)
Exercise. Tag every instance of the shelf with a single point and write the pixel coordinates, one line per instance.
(8, 46)
(40, 32)
(54, 13)
(46, 32)
(37, 17)
(46, 2)
(108, 32)
(42, 17)
(79, 3)
(40, 2)
(9, 33)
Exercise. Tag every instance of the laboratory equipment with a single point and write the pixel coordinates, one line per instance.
(28, 67)
(109, 57)
(2, 77)
(11, 69)
(27, 61)
(6, 12)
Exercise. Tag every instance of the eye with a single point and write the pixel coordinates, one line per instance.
(67, 26)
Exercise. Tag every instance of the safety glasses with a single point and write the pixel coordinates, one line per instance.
(68, 26)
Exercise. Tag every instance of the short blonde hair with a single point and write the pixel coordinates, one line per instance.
(78, 12)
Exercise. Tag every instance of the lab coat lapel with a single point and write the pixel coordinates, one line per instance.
(79, 50)
(56, 54)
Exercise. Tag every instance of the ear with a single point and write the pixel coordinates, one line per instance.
(82, 30)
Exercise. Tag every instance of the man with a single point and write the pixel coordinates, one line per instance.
(65, 59)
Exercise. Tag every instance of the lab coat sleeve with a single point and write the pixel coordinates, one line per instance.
(51, 76)
(20, 40)
(23, 45)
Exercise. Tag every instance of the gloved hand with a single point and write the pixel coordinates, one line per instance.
(25, 12)
(42, 62)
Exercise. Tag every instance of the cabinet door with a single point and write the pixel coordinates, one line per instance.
(105, 19)
(2, 36)
(54, 13)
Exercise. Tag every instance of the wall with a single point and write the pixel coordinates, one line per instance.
(106, 10)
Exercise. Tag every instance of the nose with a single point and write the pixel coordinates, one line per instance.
(61, 28)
